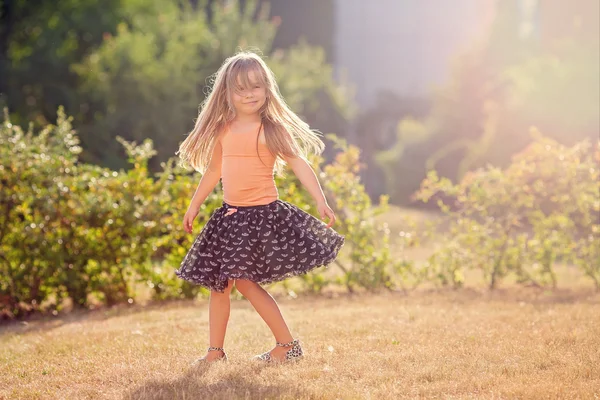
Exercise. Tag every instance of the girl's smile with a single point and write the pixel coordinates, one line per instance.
(248, 100)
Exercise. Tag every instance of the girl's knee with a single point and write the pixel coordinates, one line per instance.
(243, 285)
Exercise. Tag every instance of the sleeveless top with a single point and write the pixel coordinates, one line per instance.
(247, 180)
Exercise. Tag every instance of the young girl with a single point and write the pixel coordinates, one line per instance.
(244, 133)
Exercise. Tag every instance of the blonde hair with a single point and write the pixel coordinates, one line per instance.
(285, 133)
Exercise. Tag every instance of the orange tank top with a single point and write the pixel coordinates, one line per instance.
(247, 180)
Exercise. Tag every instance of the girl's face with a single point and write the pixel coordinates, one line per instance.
(249, 100)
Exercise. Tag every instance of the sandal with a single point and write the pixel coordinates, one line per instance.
(293, 354)
(211, 348)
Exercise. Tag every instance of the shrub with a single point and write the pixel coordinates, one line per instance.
(79, 231)
(541, 209)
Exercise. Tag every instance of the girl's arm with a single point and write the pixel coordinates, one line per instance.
(307, 177)
(210, 178)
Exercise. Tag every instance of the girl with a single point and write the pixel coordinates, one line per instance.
(244, 133)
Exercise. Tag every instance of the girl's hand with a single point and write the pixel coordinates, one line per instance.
(188, 219)
(326, 211)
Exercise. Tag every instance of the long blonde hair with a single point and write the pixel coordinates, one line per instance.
(285, 133)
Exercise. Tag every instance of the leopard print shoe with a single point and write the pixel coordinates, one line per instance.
(294, 354)
(211, 348)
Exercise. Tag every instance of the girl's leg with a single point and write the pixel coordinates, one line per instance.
(267, 308)
(218, 315)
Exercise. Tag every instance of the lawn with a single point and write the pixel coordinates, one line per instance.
(465, 344)
(515, 342)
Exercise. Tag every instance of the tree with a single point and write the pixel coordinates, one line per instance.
(147, 80)
(39, 40)
(139, 68)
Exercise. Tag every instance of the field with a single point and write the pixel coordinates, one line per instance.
(467, 344)
(515, 342)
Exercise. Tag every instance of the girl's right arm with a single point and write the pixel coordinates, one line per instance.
(209, 180)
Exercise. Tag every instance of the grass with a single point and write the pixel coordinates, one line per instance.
(467, 344)
(515, 342)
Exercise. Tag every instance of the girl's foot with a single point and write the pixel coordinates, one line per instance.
(278, 352)
(213, 354)
(282, 352)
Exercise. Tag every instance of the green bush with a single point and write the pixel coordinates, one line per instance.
(542, 209)
(70, 229)
(79, 231)
(86, 233)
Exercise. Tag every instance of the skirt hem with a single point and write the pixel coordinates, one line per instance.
(223, 277)
(270, 242)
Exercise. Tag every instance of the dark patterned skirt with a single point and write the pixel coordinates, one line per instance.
(264, 244)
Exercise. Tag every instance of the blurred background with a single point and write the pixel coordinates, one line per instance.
(463, 152)
(462, 141)
(415, 84)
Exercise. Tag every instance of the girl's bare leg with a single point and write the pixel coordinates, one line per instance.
(218, 315)
(267, 308)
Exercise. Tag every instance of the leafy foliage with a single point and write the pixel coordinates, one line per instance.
(139, 68)
(39, 41)
(79, 231)
(74, 230)
(543, 208)
(147, 80)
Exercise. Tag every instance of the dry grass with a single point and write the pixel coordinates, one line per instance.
(434, 344)
(513, 343)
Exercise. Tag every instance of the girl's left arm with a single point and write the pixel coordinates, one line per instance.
(308, 178)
